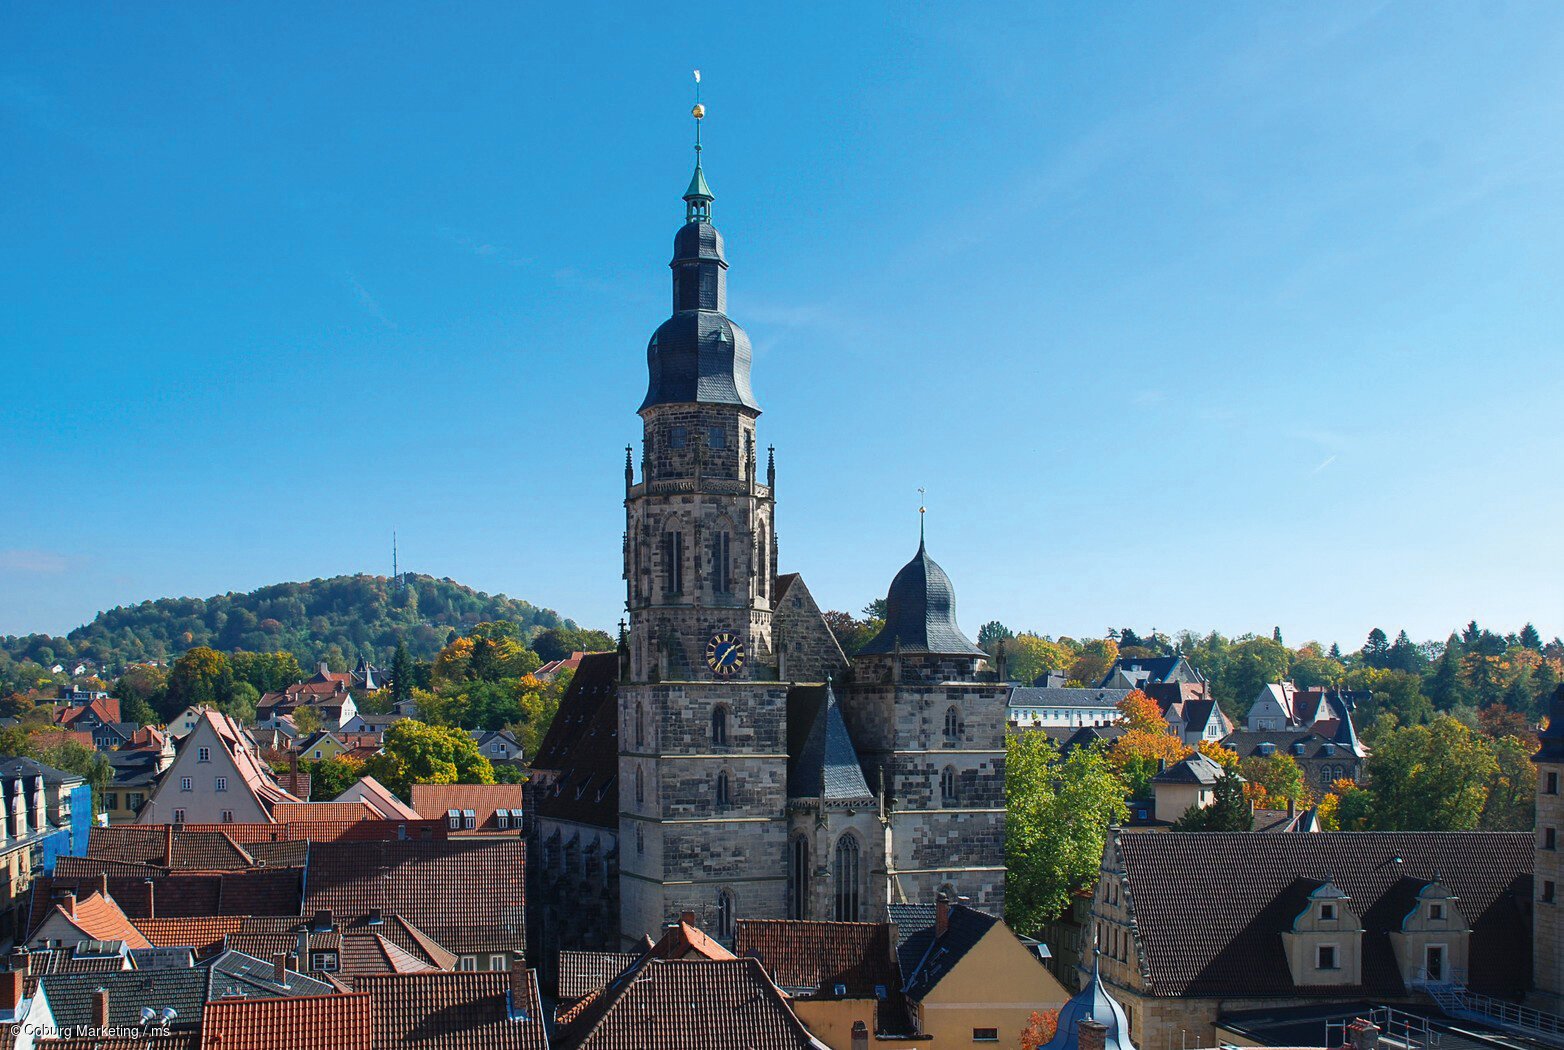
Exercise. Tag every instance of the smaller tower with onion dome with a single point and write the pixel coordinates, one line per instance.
(929, 722)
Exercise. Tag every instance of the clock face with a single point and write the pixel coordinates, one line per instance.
(725, 654)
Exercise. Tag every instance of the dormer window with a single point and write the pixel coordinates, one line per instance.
(1327, 912)
(1325, 957)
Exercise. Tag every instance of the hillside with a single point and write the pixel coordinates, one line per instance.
(344, 617)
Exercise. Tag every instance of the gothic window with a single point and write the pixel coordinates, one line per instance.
(640, 725)
(947, 785)
(725, 916)
(952, 725)
(640, 839)
(722, 792)
(640, 785)
(846, 879)
(719, 726)
(673, 561)
(798, 880)
(721, 562)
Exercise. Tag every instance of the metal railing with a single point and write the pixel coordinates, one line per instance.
(1450, 994)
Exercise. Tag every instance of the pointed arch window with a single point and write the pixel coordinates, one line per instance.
(640, 838)
(953, 725)
(723, 791)
(798, 879)
(640, 785)
(719, 726)
(846, 871)
(721, 562)
(725, 916)
(673, 561)
(947, 786)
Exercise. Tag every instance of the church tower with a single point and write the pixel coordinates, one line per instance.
(703, 718)
(1547, 933)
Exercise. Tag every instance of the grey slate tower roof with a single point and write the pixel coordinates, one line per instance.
(920, 613)
(699, 355)
(825, 766)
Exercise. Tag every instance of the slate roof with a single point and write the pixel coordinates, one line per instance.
(188, 1039)
(237, 974)
(31, 767)
(1210, 907)
(465, 893)
(927, 958)
(582, 973)
(920, 613)
(326, 1022)
(453, 1011)
(1196, 769)
(688, 1005)
(1551, 739)
(822, 761)
(433, 801)
(1091, 1001)
(1153, 669)
(1025, 696)
(70, 995)
(1316, 744)
(581, 748)
(42, 961)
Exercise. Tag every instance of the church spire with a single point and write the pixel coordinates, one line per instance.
(698, 198)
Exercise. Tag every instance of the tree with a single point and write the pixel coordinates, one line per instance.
(1430, 778)
(308, 721)
(1445, 687)
(415, 753)
(200, 676)
(1398, 692)
(1229, 809)
(1275, 779)
(330, 777)
(1147, 745)
(851, 633)
(1057, 816)
(1223, 756)
(1028, 657)
(1248, 667)
(267, 672)
(539, 702)
(141, 689)
(1530, 638)
(1376, 648)
(1512, 790)
(1040, 1029)
(557, 643)
(401, 674)
(1095, 658)
(991, 634)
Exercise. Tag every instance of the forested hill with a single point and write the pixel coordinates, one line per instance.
(339, 619)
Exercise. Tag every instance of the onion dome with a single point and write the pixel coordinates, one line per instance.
(1093, 1002)
(920, 613)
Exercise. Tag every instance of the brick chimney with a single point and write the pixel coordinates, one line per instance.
(941, 914)
(1091, 1034)
(150, 893)
(280, 968)
(861, 1034)
(68, 903)
(520, 989)
(168, 845)
(688, 918)
(11, 990)
(103, 883)
(1292, 807)
(100, 1008)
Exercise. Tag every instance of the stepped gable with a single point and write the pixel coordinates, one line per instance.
(1209, 908)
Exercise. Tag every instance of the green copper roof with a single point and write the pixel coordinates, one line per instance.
(698, 187)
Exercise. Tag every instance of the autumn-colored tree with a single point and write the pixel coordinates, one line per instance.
(1499, 721)
(1147, 745)
(1274, 780)
(1040, 1029)
(1095, 658)
(1029, 656)
(1225, 757)
(199, 676)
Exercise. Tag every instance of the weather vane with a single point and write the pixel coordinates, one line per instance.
(922, 510)
(698, 112)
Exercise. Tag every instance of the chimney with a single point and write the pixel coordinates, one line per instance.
(1363, 1034)
(100, 1008)
(860, 1036)
(168, 845)
(68, 902)
(103, 883)
(18, 959)
(11, 990)
(280, 968)
(941, 915)
(1292, 807)
(322, 922)
(1162, 765)
(151, 898)
(688, 918)
(1091, 1034)
(520, 989)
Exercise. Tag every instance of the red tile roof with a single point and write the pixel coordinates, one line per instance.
(187, 1040)
(434, 801)
(291, 812)
(201, 932)
(465, 893)
(101, 919)
(453, 1011)
(814, 958)
(315, 1022)
(688, 1005)
(582, 973)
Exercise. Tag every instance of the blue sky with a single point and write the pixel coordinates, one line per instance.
(1224, 316)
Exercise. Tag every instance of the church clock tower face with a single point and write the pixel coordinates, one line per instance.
(725, 654)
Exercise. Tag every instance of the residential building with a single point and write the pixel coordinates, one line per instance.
(552, 668)
(500, 745)
(1057, 706)
(1192, 714)
(1137, 672)
(472, 809)
(316, 1022)
(329, 694)
(379, 799)
(1194, 926)
(217, 777)
(1327, 750)
(321, 745)
(93, 918)
(1185, 785)
(45, 815)
(1283, 707)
